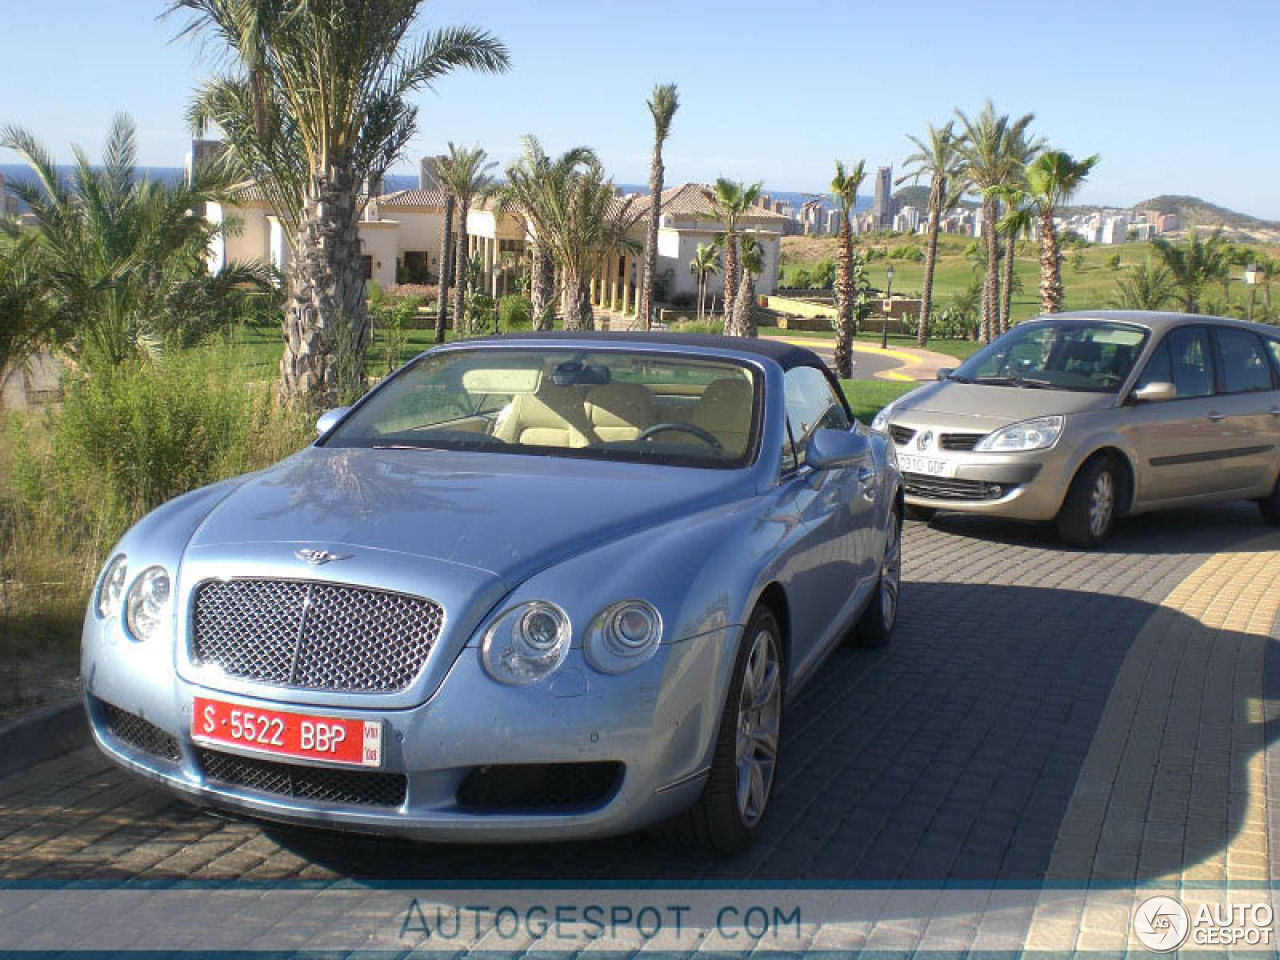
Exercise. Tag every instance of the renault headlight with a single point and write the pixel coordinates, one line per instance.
(148, 607)
(623, 636)
(1038, 434)
(111, 589)
(526, 643)
(881, 421)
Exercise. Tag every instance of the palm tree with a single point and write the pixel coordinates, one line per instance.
(938, 158)
(536, 192)
(1051, 180)
(985, 150)
(466, 174)
(1016, 222)
(729, 200)
(663, 107)
(705, 262)
(1019, 151)
(24, 308)
(1193, 266)
(844, 191)
(316, 106)
(446, 256)
(751, 261)
(121, 260)
(1147, 286)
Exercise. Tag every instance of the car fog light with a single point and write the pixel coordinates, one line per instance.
(623, 636)
(148, 605)
(526, 643)
(111, 590)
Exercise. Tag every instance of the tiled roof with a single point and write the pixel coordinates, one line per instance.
(690, 200)
(416, 197)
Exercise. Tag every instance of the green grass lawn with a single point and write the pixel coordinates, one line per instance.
(866, 397)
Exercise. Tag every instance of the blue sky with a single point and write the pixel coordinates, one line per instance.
(1176, 96)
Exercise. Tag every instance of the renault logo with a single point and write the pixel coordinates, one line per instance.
(923, 441)
(318, 557)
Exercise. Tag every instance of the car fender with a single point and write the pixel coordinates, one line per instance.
(1100, 440)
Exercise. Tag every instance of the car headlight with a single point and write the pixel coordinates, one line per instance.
(881, 421)
(147, 608)
(1038, 434)
(111, 589)
(623, 636)
(527, 643)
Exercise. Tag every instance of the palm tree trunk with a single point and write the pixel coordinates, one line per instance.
(991, 283)
(730, 278)
(326, 323)
(461, 270)
(744, 314)
(446, 269)
(844, 302)
(1006, 292)
(1050, 266)
(644, 308)
(930, 260)
(575, 303)
(542, 286)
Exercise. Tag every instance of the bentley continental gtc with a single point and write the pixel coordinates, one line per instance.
(528, 588)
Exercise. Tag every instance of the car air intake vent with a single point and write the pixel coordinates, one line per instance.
(901, 435)
(320, 784)
(313, 636)
(539, 786)
(936, 488)
(138, 733)
(959, 441)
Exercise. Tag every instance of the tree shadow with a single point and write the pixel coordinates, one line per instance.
(952, 754)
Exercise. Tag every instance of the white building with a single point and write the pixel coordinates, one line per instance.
(1115, 229)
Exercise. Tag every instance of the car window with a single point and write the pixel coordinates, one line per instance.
(1089, 355)
(1242, 361)
(1158, 368)
(1189, 357)
(1274, 347)
(812, 404)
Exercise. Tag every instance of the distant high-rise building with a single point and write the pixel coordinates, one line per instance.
(427, 179)
(882, 206)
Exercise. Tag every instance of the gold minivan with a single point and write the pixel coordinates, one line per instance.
(1084, 417)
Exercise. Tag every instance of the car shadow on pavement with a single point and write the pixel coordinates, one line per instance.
(1200, 530)
(979, 745)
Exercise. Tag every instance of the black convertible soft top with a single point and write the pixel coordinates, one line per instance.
(786, 355)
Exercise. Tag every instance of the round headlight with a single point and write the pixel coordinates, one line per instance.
(111, 589)
(623, 636)
(147, 610)
(526, 643)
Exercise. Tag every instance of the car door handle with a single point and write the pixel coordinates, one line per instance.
(1275, 411)
(1215, 416)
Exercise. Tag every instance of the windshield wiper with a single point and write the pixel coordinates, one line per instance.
(1014, 382)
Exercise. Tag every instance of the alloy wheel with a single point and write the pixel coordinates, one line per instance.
(1102, 503)
(759, 716)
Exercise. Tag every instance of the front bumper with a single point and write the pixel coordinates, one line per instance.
(642, 739)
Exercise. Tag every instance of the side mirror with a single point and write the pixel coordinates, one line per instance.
(944, 372)
(1155, 393)
(329, 419)
(836, 448)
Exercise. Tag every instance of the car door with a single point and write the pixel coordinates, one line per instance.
(1249, 405)
(1177, 441)
(833, 509)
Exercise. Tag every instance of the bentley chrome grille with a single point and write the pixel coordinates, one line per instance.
(313, 636)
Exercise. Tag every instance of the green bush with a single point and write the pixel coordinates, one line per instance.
(515, 312)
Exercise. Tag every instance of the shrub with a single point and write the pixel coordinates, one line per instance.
(515, 312)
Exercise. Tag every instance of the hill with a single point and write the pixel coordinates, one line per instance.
(1193, 210)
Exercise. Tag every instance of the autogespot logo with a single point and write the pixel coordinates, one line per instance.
(1161, 924)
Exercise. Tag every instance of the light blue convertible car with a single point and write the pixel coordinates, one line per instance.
(529, 588)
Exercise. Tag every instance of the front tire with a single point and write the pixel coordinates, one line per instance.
(875, 627)
(731, 810)
(1089, 511)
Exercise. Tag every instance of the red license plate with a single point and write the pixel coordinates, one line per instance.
(301, 735)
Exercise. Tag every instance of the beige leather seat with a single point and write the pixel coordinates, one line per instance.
(552, 417)
(620, 411)
(725, 410)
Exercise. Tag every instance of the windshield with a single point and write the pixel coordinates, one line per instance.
(1089, 355)
(604, 404)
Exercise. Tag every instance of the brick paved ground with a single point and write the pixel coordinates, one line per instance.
(953, 753)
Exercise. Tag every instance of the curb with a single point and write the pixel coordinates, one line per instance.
(41, 735)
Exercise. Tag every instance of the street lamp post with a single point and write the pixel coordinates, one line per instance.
(884, 322)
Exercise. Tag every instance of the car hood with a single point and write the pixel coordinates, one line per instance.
(509, 515)
(956, 404)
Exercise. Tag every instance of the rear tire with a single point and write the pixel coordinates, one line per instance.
(1269, 506)
(875, 627)
(1089, 511)
(729, 814)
